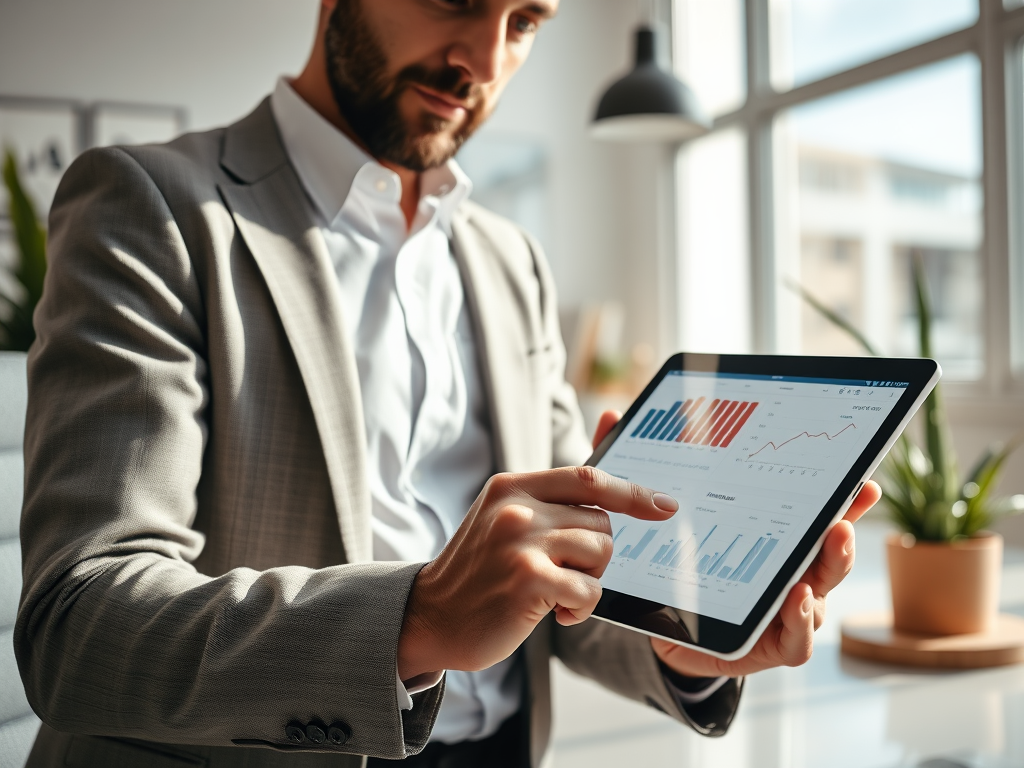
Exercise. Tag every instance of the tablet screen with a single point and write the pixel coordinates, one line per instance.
(752, 461)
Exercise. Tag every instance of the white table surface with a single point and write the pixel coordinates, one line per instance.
(833, 712)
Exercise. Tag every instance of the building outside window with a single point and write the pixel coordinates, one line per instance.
(850, 138)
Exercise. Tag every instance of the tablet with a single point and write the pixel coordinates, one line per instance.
(764, 454)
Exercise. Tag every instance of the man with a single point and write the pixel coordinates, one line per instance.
(276, 365)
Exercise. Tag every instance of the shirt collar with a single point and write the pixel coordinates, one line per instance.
(327, 162)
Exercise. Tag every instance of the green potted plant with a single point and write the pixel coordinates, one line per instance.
(944, 565)
(17, 306)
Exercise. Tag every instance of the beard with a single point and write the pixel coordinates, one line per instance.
(368, 97)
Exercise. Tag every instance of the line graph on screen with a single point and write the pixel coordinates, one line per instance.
(776, 448)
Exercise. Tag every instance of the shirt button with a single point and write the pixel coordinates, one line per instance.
(295, 732)
(382, 185)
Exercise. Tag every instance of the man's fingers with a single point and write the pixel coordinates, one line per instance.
(565, 516)
(587, 486)
(796, 638)
(604, 425)
(575, 594)
(833, 563)
(580, 549)
(867, 498)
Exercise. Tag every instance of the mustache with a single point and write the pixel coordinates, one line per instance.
(447, 80)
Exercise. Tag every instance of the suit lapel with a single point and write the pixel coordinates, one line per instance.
(502, 342)
(270, 210)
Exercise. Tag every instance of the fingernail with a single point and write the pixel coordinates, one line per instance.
(849, 547)
(807, 604)
(665, 502)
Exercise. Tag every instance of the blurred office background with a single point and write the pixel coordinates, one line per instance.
(849, 135)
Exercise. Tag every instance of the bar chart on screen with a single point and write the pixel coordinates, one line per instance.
(696, 556)
(721, 550)
(696, 422)
(751, 462)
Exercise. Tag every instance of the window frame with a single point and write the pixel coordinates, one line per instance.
(997, 40)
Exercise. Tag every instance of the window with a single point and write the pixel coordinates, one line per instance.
(869, 134)
(816, 38)
(884, 173)
(714, 290)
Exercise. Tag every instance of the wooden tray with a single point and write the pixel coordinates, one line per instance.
(871, 636)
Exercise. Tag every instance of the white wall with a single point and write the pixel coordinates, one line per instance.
(218, 58)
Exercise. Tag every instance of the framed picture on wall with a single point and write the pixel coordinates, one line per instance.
(118, 123)
(44, 137)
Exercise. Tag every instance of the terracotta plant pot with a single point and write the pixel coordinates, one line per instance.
(945, 589)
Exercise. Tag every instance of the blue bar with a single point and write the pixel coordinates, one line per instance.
(750, 556)
(624, 552)
(682, 557)
(667, 557)
(671, 416)
(721, 558)
(703, 562)
(641, 545)
(657, 416)
(616, 536)
(679, 428)
(705, 541)
(754, 566)
(664, 420)
(643, 423)
(724, 573)
(670, 430)
(661, 551)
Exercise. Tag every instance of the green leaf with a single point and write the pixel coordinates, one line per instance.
(833, 317)
(30, 271)
(921, 489)
(937, 439)
(981, 508)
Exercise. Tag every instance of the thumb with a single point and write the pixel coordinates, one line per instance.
(604, 425)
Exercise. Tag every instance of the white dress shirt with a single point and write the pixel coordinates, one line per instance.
(427, 430)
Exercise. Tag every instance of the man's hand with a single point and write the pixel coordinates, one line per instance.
(789, 638)
(530, 544)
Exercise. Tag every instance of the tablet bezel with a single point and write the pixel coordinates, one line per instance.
(721, 638)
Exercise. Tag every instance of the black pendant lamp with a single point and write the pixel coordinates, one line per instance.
(649, 104)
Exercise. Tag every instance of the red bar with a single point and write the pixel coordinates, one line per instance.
(717, 426)
(728, 424)
(740, 423)
(722, 408)
(689, 415)
(690, 431)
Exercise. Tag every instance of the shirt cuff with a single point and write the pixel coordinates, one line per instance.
(700, 689)
(413, 685)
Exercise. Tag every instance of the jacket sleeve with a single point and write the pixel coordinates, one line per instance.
(620, 659)
(117, 633)
(623, 661)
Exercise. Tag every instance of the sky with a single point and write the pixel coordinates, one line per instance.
(929, 117)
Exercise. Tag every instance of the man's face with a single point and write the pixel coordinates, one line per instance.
(415, 78)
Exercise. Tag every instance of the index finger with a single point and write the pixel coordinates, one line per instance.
(589, 486)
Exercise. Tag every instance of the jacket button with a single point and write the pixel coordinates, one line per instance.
(339, 733)
(295, 732)
(315, 733)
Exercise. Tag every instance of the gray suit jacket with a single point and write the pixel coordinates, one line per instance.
(196, 528)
